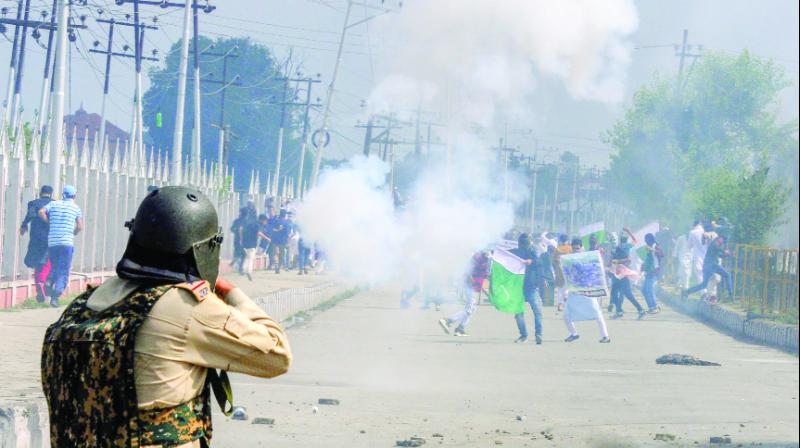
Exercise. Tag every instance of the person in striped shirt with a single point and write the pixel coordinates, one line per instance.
(66, 221)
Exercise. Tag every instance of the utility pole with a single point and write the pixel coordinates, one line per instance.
(9, 103)
(225, 84)
(20, 64)
(38, 135)
(197, 150)
(685, 52)
(176, 161)
(555, 199)
(279, 149)
(57, 127)
(326, 114)
(299, 187)
(189, 6)
(367, 136)
(109, 52)
(574, 202)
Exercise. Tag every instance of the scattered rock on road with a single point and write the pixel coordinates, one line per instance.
(328, 401)
(239, 413)
(684, 360)
(411, 442)
(521, 418)
(664, 437)
(263, 421)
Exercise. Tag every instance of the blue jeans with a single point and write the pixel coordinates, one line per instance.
(708, 272)
(649, 290)
(621, 290)
(61, 259)
(302, 256)
(535, 301)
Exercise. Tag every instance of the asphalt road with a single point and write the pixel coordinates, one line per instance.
(397, 375)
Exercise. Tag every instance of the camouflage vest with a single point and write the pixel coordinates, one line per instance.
(88, 380)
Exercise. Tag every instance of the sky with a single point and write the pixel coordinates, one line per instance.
(554, 119)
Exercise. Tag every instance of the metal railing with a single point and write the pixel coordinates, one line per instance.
(111, 181)
(282, 304)
(765, 279)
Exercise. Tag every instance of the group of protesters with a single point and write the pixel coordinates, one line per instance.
(275, 234)
(53, 225)
(541, 255)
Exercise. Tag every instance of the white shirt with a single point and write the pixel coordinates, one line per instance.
(696, 242)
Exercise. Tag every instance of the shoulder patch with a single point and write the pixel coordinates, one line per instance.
(200, 289)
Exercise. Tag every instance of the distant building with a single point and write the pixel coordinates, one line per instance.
(76, 124)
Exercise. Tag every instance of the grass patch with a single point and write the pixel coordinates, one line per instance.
(32, 304)
(323, 306)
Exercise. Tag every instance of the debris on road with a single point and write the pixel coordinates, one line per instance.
(664, 437)
(239, 413)
(437, 435)
(314, 409)
(328, 401)
(684, 360)
(547, 435)
(263, 421)
(411, 442)
(720, 440)
(521, 418)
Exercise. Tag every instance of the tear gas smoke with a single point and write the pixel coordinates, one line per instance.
(492, 52)
(471, 58)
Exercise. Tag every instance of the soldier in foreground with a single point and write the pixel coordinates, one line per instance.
(132, 363)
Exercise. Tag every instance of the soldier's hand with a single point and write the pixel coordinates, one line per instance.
(223, 287)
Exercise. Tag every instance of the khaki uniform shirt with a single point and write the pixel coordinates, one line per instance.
(188, 331)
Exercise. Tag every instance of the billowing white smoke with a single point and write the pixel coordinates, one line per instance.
(350, 215)
(491, 52)
(470, 58)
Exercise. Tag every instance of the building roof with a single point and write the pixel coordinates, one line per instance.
(77, 124)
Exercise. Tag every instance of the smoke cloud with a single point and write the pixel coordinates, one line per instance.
(471, 59)
(492, 52)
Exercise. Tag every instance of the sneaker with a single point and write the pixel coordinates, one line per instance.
(249, 277)
(572, 337)
(460, 332)
(445, 325)
(655, 310)
(300, 272)
(605, 340)
(538, 340)
(642, 314)
(610, 308)
(54, 302)
(40, 298)
(618, 315)
(521, 340)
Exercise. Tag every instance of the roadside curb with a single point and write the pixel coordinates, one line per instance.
(780, 336)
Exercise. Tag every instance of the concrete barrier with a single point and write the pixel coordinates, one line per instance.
(782, 336)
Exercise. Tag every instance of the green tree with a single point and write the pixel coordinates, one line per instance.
(252, 110)
(706, 145)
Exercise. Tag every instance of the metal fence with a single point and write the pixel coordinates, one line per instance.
(111, 181)
(765, 279)
(282, 304)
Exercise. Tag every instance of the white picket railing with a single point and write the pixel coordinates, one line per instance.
(111, 180)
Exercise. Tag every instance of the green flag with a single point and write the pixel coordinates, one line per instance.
(506, 282)
(598, 229)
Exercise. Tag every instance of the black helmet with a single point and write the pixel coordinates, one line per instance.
(175, 237)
